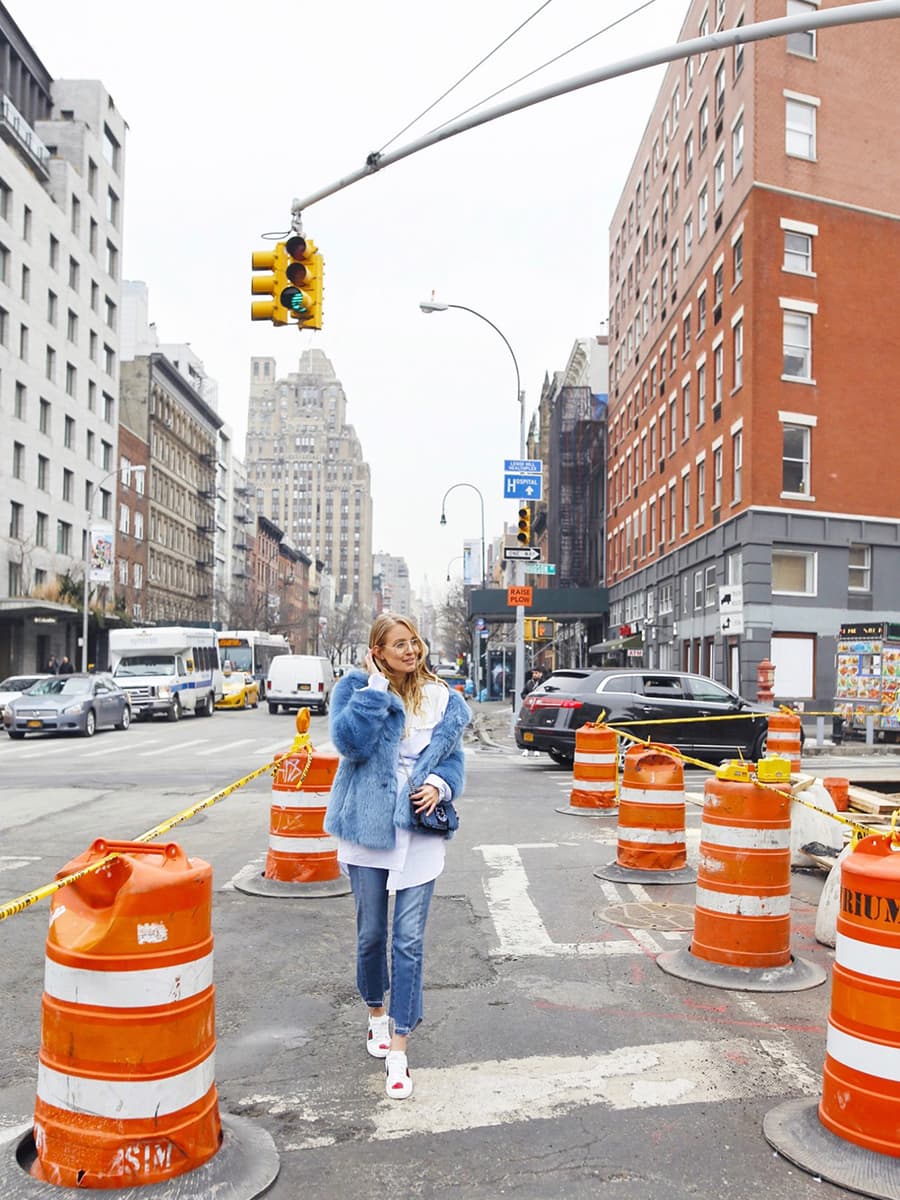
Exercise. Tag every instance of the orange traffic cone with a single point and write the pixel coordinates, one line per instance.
(651, 835)
(742, 918)
(852, 1136)
(302, 858)
(595, 773)
(126, 1093)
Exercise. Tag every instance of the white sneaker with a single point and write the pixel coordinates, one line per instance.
(378, 1037)
(398, 1082)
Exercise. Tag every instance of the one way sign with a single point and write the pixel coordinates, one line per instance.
(522, 553)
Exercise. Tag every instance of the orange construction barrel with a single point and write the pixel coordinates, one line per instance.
(783, 737)
(595, 773)
(126, 1090)
(851, 1137)
(651, 845)
(839, 790)
(742, 915)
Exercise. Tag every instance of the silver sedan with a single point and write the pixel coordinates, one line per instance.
(68, 704)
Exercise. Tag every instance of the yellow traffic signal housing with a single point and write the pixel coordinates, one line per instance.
(293, 283)
(524, 534)
(539, 630)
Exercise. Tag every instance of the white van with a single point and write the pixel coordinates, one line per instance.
(298, 681)
(167, 669)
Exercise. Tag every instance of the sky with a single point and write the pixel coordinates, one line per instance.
(234, 109)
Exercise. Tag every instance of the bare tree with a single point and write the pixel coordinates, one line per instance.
(344, 630)
(453, 622)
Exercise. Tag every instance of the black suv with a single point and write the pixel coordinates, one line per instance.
(551, 714)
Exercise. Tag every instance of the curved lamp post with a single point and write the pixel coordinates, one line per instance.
(432, 306)
(458, 558)
(444, 518)
(95, 488)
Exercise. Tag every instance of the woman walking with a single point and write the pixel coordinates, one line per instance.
(398, 729)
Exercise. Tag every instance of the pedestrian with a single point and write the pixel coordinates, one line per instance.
(52, 665)
(398, 728)
(65, 666)
(537, 677)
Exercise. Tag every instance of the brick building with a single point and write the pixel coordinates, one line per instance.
(751, 420)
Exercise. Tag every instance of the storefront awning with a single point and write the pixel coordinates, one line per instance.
(635, 642)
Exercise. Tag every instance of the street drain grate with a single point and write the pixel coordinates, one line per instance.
(645, 914)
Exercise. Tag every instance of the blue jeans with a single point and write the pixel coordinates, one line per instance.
(407, 944)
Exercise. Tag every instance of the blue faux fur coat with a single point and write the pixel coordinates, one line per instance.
(367, 726)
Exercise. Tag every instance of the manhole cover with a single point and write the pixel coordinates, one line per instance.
(649, 915)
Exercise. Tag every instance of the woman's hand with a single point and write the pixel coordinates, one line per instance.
(370, 664)
(425, 799)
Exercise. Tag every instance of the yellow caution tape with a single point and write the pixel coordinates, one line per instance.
(12, 907)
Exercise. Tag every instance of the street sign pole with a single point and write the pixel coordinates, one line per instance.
(519, 679)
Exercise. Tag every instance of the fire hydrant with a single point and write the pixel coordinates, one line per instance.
(765, 681)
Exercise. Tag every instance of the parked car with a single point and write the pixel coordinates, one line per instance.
(551, 714)
(15, 685)
(74, 703)
(241, 690)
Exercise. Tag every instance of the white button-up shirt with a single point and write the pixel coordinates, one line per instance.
(416, 857)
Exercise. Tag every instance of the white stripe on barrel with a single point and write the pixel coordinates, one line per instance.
(583, 756)
(300, 844)
(872, 1058)
(742, 905)
(650, 796)
(745, 837)
(128, 989)
(659, 837)
(865, 958)
(120, 1099)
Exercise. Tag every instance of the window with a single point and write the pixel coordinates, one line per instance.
(109, 359)
(795, 460)
(804, 42)
(702, 210)
(92, 178)
(673, 425)
(719, 180)
(701, 492)
(112, 260)
(859, 578)
(18, 460)
(123, 572)
(797, 345)
(111, 149)
(719, 90)
(106, 456)
(738, 350)
(63, 537)
(698, 590)
(50, 366)
(737, 146)
(43, 473)
(686, 503)
(26, 223)
(72, 326)
(688, 237)
(674, 257)
(16, 522)
(52, 307)
(75, 216)
(21, 401)
(701, 312)
(110, 313)
(5, 199)
(701, 393)
(23, 343)
(718, 373)
(109, 408)
(124, 518)
(688, 77)
(68, 484)
(737, 260)
(794, 572)
(69, 433)
(139, 525)
(688, 156)
(797, 252)
(718, 290)
(89, 446)
(738, 50)
(703, 124)
(717, 478)
(71, 379)
(686, 410)
(54, 252)
(800, 129)
(138, 575)
(44, 416)
(686, 331)
(737, 463)
(74, 273)
(25, 288)
(711, 590)
(673, 514)
(40, 529)
(112, 207)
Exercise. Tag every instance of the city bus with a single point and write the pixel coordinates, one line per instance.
(251, 650)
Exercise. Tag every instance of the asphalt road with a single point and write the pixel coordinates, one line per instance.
(556, 1058)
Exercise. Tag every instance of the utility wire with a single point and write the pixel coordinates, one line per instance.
(463, 78)
(625, 17)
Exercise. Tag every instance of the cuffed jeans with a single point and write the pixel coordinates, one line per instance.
(407, 944)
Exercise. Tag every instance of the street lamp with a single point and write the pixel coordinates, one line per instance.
(94, 488)
(433, 306)
(458, 558)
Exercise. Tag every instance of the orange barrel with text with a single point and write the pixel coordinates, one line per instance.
(300, 851)
(651, 810)
(742, 916)
(594, 768)
(861, 1083)
(126, 1091)
(783, 737)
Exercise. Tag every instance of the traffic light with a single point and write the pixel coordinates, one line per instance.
(294, 283)
(537, 629)
(524, 534)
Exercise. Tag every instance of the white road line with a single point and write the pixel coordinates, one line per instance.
(275, 747)
(168, 747)
(517, 923)
(491, 1093)
(103, 753)
(222, 748)
(11, 862)
(31, 749)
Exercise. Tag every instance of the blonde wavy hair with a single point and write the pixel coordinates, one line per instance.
(407, 687)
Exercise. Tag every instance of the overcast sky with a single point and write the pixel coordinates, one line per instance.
(234, 108)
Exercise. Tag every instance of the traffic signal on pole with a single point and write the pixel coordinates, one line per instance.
(524, 534)
(293, 281)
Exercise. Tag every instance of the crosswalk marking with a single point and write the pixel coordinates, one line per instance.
(220, 749)
(497, 1092)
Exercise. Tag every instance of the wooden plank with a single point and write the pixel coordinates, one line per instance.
(866, 801)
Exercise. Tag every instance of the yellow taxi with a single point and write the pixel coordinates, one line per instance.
(239, 690)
